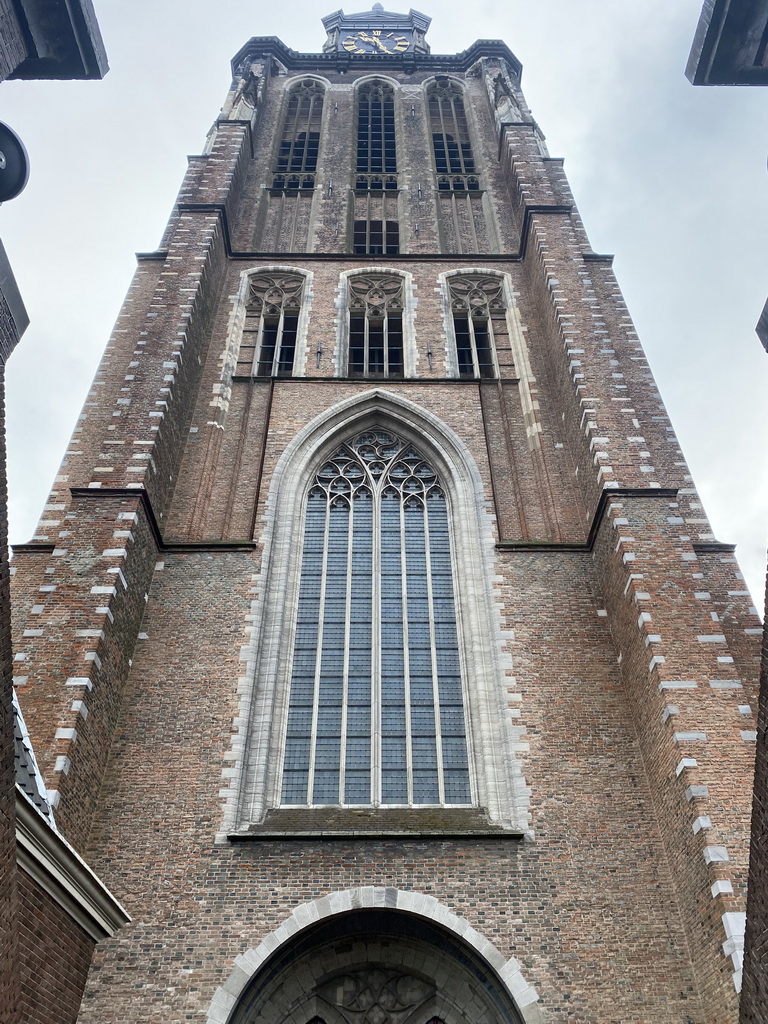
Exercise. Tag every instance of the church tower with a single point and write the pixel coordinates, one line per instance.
(374, 643)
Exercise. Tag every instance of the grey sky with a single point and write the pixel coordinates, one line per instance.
(670, 178)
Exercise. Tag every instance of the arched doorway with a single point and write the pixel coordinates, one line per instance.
(376, 966)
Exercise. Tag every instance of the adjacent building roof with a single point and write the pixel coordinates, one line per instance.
(55, 39)
(731, 44)
(28, 777)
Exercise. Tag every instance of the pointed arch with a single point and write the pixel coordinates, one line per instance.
(298, 143)
(514, 341)
(232, 358)
(451, 134)
(376, 163)
(406, 315)
(414, 917)
(498, 783)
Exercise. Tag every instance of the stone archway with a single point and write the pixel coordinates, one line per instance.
(375, 956)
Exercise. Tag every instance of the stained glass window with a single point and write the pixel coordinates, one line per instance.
(376, 711)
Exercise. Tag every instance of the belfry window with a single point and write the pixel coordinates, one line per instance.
(268, 346)
(479, 324)
(451, 145)
(376, 166)
(376, 237)
(376, 709)
(300, 139)
(375, 326)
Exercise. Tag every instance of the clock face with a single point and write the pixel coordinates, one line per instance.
(375, 40)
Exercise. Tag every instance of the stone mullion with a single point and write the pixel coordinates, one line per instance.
(683, 697)
(75, 650)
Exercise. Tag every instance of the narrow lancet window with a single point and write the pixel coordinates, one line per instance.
(268, 346)
(376, 711)
(375, 326)
(479, 324)
(376, 167)
(451, 145)
(300, 139)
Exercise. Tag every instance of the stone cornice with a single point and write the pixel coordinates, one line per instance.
(270, 46)
(50, 860)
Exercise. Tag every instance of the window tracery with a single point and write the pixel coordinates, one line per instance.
(376, 306)
(376, 707)
(268, 346)
(300, 139)
(478, 310)
(376, 164)
(451, 143)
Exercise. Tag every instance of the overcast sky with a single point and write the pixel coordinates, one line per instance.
(670, 178)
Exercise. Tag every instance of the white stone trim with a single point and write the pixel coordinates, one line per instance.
(222, 389)
(341, 355)
(253, 771)
(507, 971)
(517, 341)
(48, 858)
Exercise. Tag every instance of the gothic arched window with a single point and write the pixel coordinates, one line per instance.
(268, 346)
(451, 145)
(375, 307)
(300, 139)
(376, 707)
(479, 317)
(376, 165)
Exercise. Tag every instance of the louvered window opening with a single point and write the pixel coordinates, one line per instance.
(376, 237)
(479, 316)
(376, 167)
(451, 145)
(268, 346)
(376, 710)
(300, 140)
(375, 327)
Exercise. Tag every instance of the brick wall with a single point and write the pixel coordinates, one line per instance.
(9, 1008)
(12, 46)
(54, 956)
(755, 993)
(625, 645)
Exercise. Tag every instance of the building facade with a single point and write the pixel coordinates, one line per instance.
(374, 642)
(53, 908)
(731, 48)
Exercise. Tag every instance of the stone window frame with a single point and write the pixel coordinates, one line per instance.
(376, 486)
(471, 181)
(508, 972)
(304, 177)
(253, 768)
(230, 354)
(444, 284)
(517, 340)
(287, 303)
(341, 361)
(389, 179)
